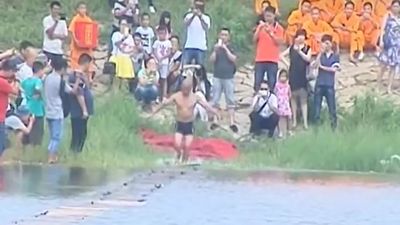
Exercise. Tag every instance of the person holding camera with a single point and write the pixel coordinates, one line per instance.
(21, 122)
(8, 86)
(55, 32)
(197, 25)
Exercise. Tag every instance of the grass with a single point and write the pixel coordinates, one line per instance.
(113, 139)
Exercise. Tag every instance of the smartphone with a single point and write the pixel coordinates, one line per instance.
(219, 42)
(63, 16)
(126, 31)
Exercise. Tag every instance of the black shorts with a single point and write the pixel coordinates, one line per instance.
(184, 128)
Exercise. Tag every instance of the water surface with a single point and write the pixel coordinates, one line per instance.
(203, 198)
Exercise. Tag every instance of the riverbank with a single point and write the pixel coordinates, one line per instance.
(366, 141)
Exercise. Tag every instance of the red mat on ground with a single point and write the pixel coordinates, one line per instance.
(206, 148)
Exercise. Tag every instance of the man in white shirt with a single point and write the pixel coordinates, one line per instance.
(197, 25)
(265, 111)
(55, 32)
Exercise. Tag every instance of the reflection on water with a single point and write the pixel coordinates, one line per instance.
(52, 181)
(199, 198)
(205, 201)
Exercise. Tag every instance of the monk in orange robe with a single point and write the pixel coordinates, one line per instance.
(260, 5)
(316, 28)
(347, 25)
(296, 20)
(330, 8)
(76, 50)
(370, 26)
(381, 7)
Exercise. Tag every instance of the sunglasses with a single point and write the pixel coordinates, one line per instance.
(264, 89)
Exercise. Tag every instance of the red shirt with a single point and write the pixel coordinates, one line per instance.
(267, 50)
(5, 91)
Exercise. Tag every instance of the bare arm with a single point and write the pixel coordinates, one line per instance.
(165, 103)
(189, 20)
(207, 106)
(213, 55)
(28, 129)
(283, 56)
(204, 25)
(231, 56)
(82, 104)
(7, 54)
(50, 30)
(383, 25)
(255, 35)
(305, 56)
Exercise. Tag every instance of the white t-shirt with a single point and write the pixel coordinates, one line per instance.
(127, 45)
(266, 111)
(24, 71)
(196, 35)
(162, 49)
(147, 35)
(54, 46)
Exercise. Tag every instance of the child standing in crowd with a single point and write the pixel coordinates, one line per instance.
(123, 47)
(146, 32)
(33, 88)
(80, 112)
(162, 51)
(283, 93)
(165, 21)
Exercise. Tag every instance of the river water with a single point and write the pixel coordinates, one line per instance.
(185, 196)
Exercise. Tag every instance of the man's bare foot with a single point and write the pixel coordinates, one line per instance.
(53, 159)
(178, 158)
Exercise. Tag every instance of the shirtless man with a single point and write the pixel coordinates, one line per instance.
(185, 101)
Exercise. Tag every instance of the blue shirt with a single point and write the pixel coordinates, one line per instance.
(327, 78)
(83, 90)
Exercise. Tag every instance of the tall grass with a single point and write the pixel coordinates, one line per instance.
(368, 136)
(113, 138)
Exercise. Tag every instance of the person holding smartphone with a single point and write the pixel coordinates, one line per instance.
(55, 32)
(197, 25)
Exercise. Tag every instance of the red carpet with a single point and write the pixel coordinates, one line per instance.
(206, 148)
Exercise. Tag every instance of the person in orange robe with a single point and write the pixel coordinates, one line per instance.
(316, 28)
(330, 8)
(260, 5)
(296, 20)
(347, 25)
(77, 51)
(382, 7)
(370, 26)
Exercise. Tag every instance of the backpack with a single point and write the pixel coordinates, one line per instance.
(66, 105)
